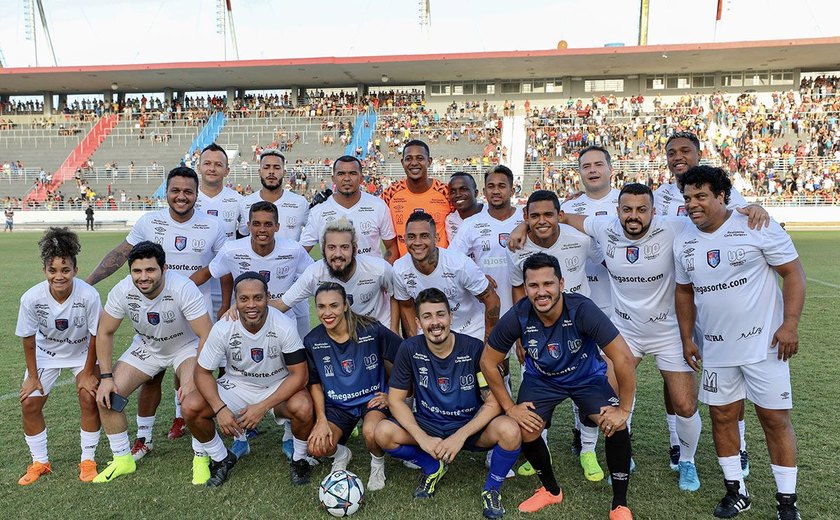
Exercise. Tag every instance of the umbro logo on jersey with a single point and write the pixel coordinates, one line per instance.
(180, 243)
(62, 324)
(632, 254)
(713, 257)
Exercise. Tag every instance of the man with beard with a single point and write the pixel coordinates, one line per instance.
(639, 257)
(190, 240)
(171, 322)
(368, 280)
(463, 194)
(429, 265)
(266, 371)
(292, 210)
(369, 215)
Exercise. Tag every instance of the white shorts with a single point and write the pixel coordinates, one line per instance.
(152, 364)
(48, 377)
(669, 357)
(237, 396)
(766, 383)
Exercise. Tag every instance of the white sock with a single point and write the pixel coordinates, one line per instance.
(544, 435)
(731, 467)
(672, 429)
(785, 478)
(689, 435)
(588, 438)
(38, 446)
(341, 451)
(198, 448)
(287, 430)
(630, 417)
(300, 449)
(742, 428)
(216, 448)
(89, 441)
(119, 444)
(576, 415)
(145, 425)
(178, 407)
(377, 462)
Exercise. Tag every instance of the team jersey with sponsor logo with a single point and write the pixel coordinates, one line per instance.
(352, 372)
(458, 277)
(446, 391)
(669, 201)
(370, 218)
(642, 273)
(257, 360)
(454, 222)
(280, 268)
(293, 211)
(402, 202)
(736, 291)
(225, 206)
(162, 324)
(62, 330)
(484, 239)
(369, 289)
(596, 273)
(564, 352)
(189, 246)
(572, 249)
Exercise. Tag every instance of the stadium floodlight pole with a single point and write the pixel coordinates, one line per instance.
(46, 32)
(644, 12)
(232, 29)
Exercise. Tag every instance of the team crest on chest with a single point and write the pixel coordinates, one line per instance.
(681, 211)
(153, 317)
(713, 257)
(632, 254)
(266, 275)
(257, 354)
(444, 384)
(347, 366)
(180, 243)
(553, 350)
(62, 324)
(213, 212)
(503, 239)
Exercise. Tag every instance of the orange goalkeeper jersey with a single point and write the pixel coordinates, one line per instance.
(402, 203)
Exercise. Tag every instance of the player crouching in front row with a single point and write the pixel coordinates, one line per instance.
(266, 370)
(349, 358)
(454, 411)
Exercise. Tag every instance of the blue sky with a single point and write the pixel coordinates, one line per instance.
(87, 32)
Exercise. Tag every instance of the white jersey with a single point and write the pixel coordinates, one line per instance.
(292, 209)
(599, 279)
(370, 217)
(453, 221)
(669, 201)
(226, 206)
(369, 289)
(736, 291)
(161, 325)
(280, 268)
(458, 277)
(62, 330)
(642, 272)
(253, 360)
(484, 239)
(572, 249)
(189, 246)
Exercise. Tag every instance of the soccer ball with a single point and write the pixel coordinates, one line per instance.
(341, 493)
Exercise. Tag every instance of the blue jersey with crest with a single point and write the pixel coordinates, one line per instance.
(446, 391)
(566, 351)
(350, 373)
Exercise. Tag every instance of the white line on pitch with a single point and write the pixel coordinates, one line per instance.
(16, 395)
(833, 285)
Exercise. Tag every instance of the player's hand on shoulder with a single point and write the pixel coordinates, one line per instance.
(30, 384)
(524, 415)
(222, 314)
(757, 216)
(786, 340)
(231, 314)
(516, 240)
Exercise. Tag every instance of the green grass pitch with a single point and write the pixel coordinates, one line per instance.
(259, 486)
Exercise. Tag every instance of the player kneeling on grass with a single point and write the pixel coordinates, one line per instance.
(57, 321)
(454, 411)
(171, 322)
(349, 358)
(266, 370)
(561, 334)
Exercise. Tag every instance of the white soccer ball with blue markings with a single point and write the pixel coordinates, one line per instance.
(341, 493)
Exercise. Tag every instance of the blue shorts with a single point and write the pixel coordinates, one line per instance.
(347, 418)
(546, 394)
(435, 431)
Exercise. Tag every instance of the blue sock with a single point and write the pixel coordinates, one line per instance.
(416, 455)
(501, 462)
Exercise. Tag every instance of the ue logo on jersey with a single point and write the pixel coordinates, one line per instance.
(180, 243)
(79, 321)
(632, 254)
(266, 275)
(553, 350)
(257, 354)
(213, 212)
(444, 384)
(62, 324)
(371, 361)
(713, 257)
(503, 239)
(347, 366)
(153, 317)
(291, 221)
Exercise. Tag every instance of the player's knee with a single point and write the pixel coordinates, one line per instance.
(384, 435)
(326, 451)
(509, 433)
(775, 420)
(300, 407)
(193, 406)
(724, 414)
(87, 402)
(684, 405)
(31, 406)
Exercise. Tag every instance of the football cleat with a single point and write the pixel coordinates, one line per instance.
(87, 470)
(591, 469)
(122, 465)
(745, 464)
(492, 501)
(540, 499)
(377, 478)
(301, 471)
(674, 456)
(240, 448)
(689, 480)
(35, 471)
(786, 507)
(219, 470)
(733, 502)
(426, 489)
(140, 448)
(178, 429)
(200, 470)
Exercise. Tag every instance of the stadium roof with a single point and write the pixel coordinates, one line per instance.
(816, 54)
